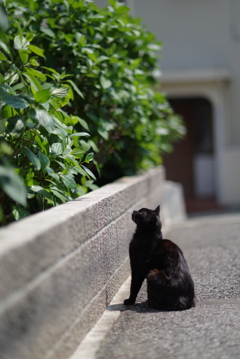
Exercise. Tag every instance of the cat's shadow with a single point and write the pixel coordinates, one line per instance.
(137, 307)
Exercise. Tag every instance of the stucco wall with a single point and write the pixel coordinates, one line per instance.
(201, 43)
(199, 35)
(59, 269)
(232, 176)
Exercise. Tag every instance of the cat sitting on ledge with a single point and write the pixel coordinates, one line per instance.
(169, 283)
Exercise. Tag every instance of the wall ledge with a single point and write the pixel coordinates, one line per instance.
(195, 75)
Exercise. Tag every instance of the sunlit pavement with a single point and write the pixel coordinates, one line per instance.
(211, 245)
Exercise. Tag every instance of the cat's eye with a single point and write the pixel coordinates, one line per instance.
(140, 212)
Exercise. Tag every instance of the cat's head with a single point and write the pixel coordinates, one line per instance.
(146, 217)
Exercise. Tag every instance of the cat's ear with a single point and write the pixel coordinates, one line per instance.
(157, 210)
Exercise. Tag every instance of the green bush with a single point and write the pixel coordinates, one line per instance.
(102, 62)
(39, 142)
(113, 59)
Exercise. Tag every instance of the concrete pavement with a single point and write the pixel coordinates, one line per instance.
(211, 246)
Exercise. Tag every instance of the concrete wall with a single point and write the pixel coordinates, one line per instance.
(59, 269)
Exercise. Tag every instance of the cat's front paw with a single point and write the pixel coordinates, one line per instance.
(128, 302)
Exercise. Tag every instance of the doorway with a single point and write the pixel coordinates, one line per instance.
(192, 162)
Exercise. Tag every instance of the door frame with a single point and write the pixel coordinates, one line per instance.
(212, 85)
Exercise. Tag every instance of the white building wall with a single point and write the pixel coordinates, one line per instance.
(194, 33)
(232, 173)
(198, 36)
(205, 35)
(100, 3)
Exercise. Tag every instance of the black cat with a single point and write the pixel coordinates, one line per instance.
(169, 283)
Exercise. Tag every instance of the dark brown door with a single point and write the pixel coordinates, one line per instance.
(179, 163)
(197, 115)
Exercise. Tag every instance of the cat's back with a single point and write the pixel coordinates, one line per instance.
(169, 254)
(169, 247)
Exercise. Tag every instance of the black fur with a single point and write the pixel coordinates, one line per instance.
(169, 283)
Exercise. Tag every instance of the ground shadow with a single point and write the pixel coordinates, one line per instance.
(138, 307)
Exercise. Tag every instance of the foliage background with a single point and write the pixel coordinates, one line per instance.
(89, 71)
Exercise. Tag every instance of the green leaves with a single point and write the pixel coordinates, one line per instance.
(44, 160)
(42, 96)
(16, 125)
(69, 181)
(105, 83)
(36, 50)
(4, 47)
(56, 148)
(47, 31)
(77, 152)
(14, 101)
(33, 81)
(33, 158)
(77, 97)
(3, 20)
(76, 88)
(12, 185)
(19, 212)
(36, 73)
(40, 190)
(60, 92)
(3, 57)
(89, 172)
(43, 118)
(43, 167)
(20, 43)
(89, 157)
(24, 56)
